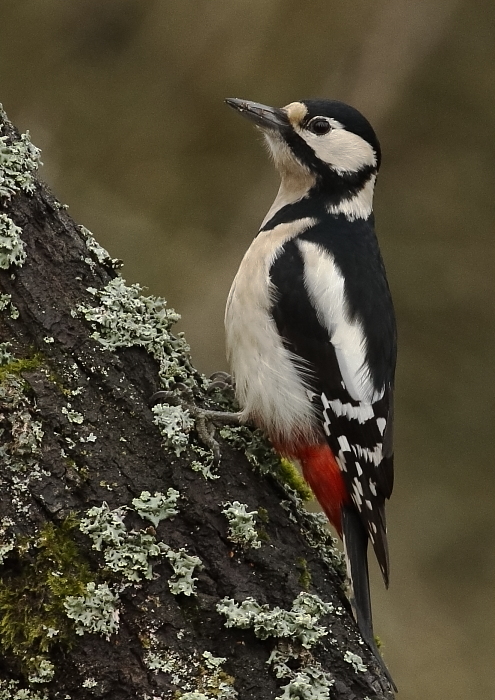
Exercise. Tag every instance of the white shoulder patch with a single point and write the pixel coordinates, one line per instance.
(325, 286)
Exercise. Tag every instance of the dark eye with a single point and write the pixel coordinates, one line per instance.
(319, 126)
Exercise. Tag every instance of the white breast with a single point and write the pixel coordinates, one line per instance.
(268, 387)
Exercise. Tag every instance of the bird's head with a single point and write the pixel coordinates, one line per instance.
(326, 141)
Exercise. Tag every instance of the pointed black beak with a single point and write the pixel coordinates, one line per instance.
(262, 115)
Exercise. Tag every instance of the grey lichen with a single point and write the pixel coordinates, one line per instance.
(175, 425)
(309, 682)
(7, 305)
(104, 526)
(126, 553)
(7, 538)
(130, 554)
(22, 435)
(158, 507)
(124, 317)
(71, 415)
(45, 671)
(5, 354)
(10, 690)
(132, 559)
(101, 255)
(19, 160)
(356, 661)
(12, 249)
(299, 623)
(242, 522)
(204, 464)
(183, 565)
(96, 611)
(196, 676)
(297, 631)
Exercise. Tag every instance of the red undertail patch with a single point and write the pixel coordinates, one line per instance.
(323, 474)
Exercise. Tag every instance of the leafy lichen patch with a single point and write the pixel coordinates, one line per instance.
(101, 255)
(95, 611)
(204, 464)
(12, 248)
(7, 305)
(104, 526)
(356, 661)
(123, 317)
(22, 435)
(175, 425)
(130, 554)
(183, 565)
(5, 355)
(126, 553)
(309, 682)
(19, 160)
(297, 631)
(195, 675)
(158, 507)
(298, 624)
(242, 523)
(10, 690)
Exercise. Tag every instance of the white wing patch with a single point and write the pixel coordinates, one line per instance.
(325, 286)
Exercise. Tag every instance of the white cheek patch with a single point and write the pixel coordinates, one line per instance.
(325, 286)
(340, 149)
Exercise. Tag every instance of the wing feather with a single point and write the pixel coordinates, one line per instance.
(310, 309)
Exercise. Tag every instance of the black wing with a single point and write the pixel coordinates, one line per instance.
(359, 433)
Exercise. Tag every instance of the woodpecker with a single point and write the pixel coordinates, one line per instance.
(310, 326)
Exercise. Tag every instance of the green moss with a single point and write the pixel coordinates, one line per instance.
(304, 575)
(262, 456)
(263, 515)
(27, 364)
(32, 593)
(293, 478)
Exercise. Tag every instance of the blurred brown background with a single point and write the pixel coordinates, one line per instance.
(125, 99)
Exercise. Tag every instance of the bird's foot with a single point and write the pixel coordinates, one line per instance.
(205, 420)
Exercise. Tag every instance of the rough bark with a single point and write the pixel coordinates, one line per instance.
(77, 432)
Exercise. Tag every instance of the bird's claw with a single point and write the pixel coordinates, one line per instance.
(220, 380)
(204, 419)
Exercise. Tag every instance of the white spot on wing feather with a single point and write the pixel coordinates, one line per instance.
(344, 443)
(381, 424)
(362, 413)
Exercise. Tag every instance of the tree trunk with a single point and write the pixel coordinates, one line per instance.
(133, 567)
